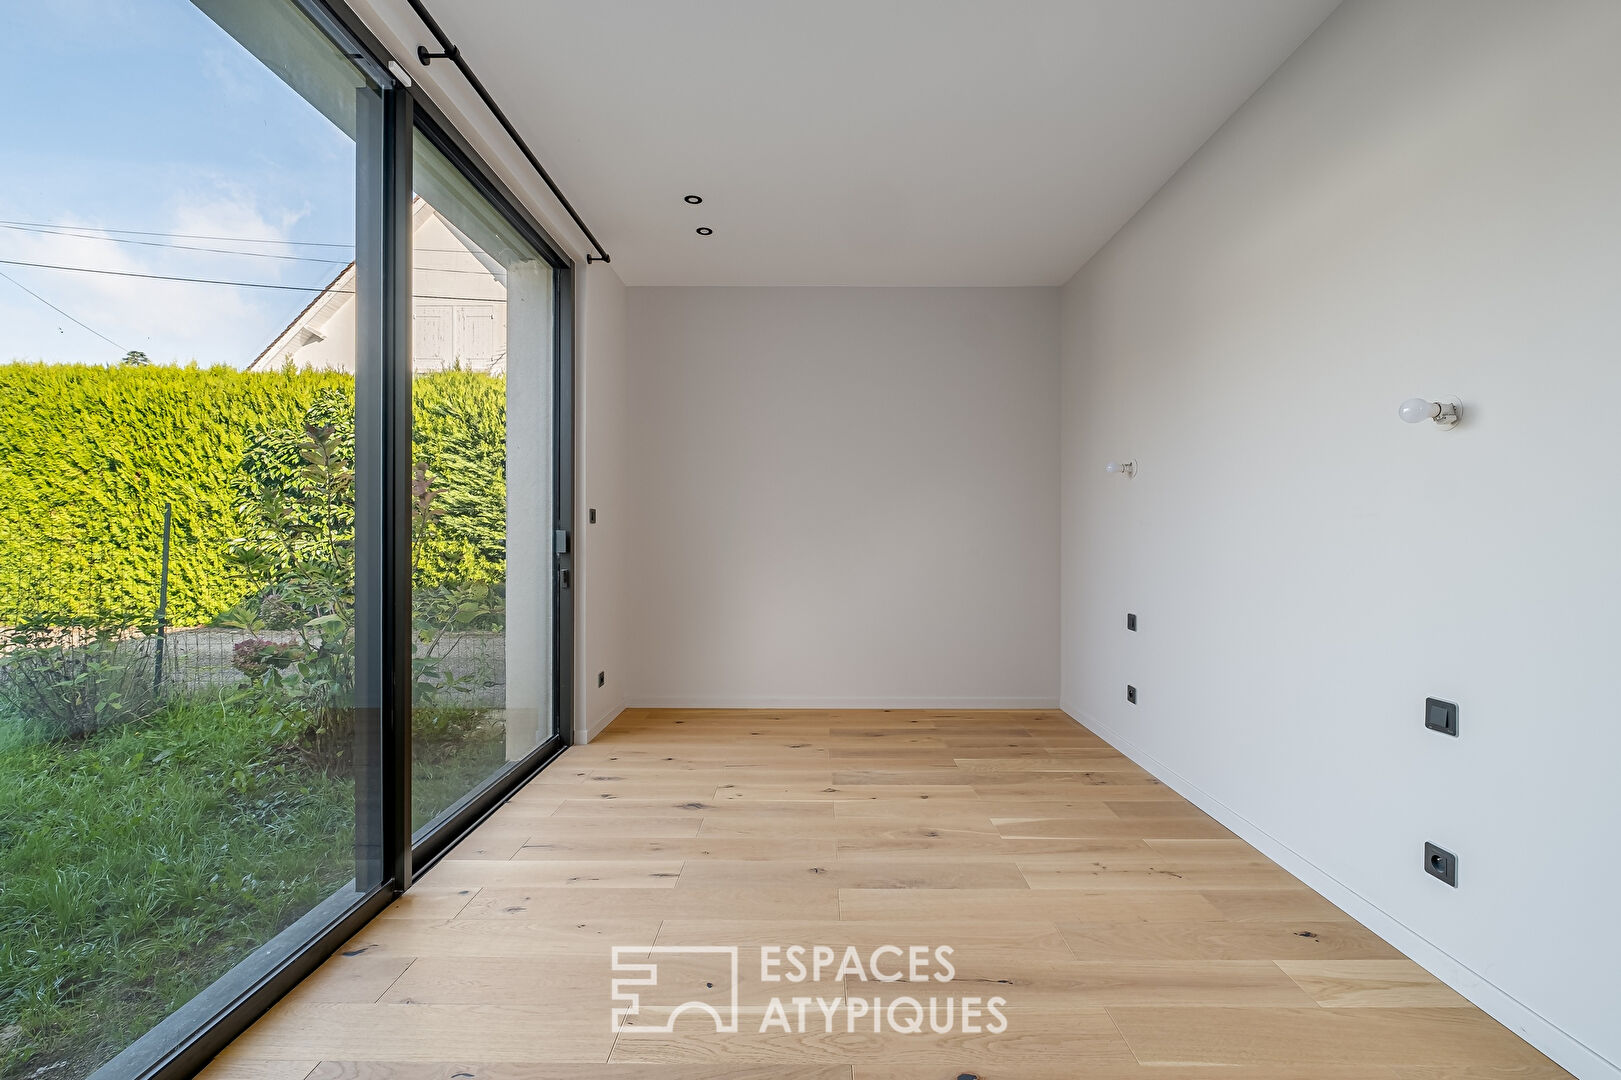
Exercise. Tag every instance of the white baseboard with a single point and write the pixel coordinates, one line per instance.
(597, 726)
(1565, 1049)
(842, 703)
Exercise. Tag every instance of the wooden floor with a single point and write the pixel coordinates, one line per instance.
(1130, 934)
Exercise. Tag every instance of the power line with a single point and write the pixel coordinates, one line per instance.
(92, 232)
(178, 236)
(221, 281)
(47, 231)
(88, 235)
(60, 312)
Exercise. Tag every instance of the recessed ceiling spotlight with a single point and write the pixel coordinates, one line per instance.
(695, 199)
(705, 230)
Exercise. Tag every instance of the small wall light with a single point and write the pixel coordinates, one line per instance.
(1444, 413)
(1121, 468)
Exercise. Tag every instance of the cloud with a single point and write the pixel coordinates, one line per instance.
(173, 321)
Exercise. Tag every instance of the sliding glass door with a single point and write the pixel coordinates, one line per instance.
(284, 388)
(484, 549)
(179, 631)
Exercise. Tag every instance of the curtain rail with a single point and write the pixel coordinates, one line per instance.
(450, 52)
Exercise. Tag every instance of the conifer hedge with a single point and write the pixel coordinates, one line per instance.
(89, 455)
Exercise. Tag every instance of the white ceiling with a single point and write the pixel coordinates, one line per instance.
(864, 142)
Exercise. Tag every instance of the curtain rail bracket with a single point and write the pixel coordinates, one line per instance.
(451, 53)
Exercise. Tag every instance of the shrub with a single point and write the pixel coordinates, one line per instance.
(439, 728)
(459, 435)
(90, 455)
(255, 657)
(298, 547)
(72, 683)
(297, 505)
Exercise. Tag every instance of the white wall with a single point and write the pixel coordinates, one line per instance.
(844, 496)
(530, 634)
(601, 442)
(1423, 201)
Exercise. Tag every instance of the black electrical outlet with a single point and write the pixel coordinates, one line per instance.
(1441, 716)
(1440, 863)
(591, 515)
(1131, 621)
(602, 677)
(1131, 693)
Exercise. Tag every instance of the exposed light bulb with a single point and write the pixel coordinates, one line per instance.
(1121, 468)
(1445, 413)
(1417, 410)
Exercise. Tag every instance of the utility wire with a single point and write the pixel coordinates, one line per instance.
(60, 312)
(49, 231)
(221, 281)
(91, 232)
(178, 236)
(57, 231)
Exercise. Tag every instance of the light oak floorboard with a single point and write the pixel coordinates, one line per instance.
(1024, 905)
(685, 901)
(1130, 935)
(230, 1065)
(1306, 940)
(1083, 1037)
(1395, 983)
(538, 1070)
(1220, 1035)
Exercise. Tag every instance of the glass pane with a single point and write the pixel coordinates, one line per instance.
(482, 520)
(177, 557)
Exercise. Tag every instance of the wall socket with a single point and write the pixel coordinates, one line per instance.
(1441, 863)
(1131, 621)
(591, 516)
(1131, 693)
(602, 677)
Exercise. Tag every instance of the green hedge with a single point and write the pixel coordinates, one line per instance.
(89, 455)
(459, 429)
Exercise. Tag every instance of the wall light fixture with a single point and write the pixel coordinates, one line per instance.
(1121, 468)
(1444, 413)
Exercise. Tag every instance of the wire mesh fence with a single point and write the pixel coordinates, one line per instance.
(63, 597)
(208, 658)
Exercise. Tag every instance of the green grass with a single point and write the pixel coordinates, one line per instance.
(143, 862)
(443, 769)
(139, 864)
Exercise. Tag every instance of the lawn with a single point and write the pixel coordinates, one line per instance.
(445, 769)
(142, 862)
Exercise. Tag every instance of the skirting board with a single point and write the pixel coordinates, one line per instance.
(600, 724)
(842, 703)
(1569, 1052)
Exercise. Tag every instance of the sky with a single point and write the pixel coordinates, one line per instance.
(134, 133)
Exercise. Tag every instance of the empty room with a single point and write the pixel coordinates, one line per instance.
(766, 540)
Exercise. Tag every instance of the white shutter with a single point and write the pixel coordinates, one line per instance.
(430, 334)
(475, 336)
